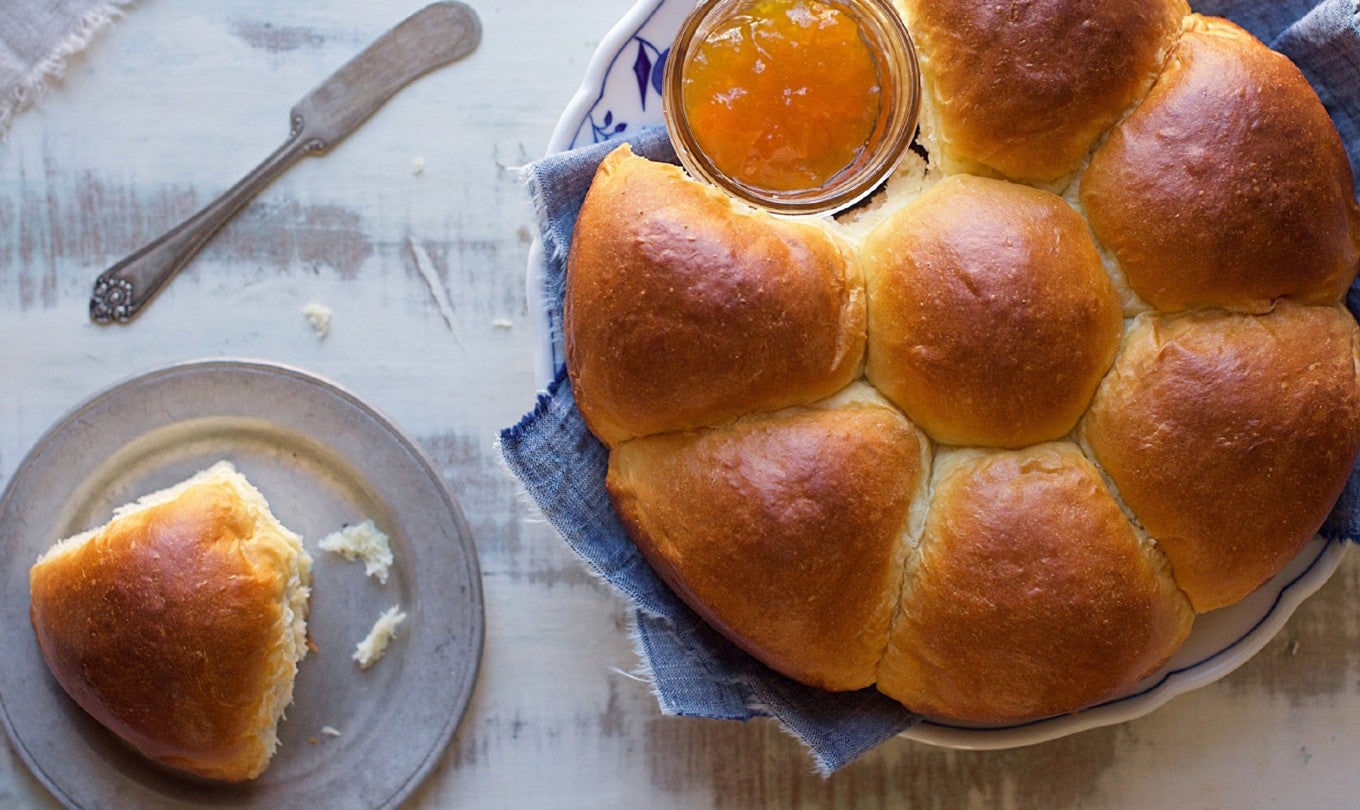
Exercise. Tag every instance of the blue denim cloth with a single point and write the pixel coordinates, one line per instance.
(694, 670)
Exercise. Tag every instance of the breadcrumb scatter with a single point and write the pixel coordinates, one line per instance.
(319, 317)
(418, 165)
(374, 645)
(363, 541)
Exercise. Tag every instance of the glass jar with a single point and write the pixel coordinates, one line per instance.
(797, 106)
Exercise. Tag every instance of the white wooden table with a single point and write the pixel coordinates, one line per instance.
(182, 97)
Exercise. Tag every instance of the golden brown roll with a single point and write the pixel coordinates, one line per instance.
(179, 624)
(1030, 594)
(1026, 88)
(786, 531)
(1101, 479)
(1228, 186)
(1230, 438)
(991, 319)
(684, 309)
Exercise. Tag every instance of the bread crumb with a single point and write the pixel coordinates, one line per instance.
(311, 740)
(319, 317)
(330, 731)
(418, 165)
(362, 541)
(368, 651)
(502, 323)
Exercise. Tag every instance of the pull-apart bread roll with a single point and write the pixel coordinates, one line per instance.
(1030, 595)
(686, 309)
(991, 319)
(180, 623)
(785, 531)
(1228, 186)
(1025, 88)
(1081, 420)
(1231, 437)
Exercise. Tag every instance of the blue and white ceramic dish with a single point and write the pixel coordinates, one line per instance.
(622, 90)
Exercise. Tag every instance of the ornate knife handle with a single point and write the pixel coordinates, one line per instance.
(436, 35)
(121, 291)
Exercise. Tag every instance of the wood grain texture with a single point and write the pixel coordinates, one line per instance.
(178, 100)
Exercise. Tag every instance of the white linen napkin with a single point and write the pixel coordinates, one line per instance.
(37, 38)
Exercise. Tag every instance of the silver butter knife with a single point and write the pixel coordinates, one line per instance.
(434, 36)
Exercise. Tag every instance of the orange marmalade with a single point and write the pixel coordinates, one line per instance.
(784, 95)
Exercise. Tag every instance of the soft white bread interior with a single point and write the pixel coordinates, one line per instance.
(180, 623)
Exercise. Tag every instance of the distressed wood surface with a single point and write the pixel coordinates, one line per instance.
(181, 98)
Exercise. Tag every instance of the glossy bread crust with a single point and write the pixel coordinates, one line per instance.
(991, 320)
(1230, 438)
(1136, 401)
(1030, 595)
(1024, 88)
(1229, 186)
(785, 531)
(684, 309)
(170, 626)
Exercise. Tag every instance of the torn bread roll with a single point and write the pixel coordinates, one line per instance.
(180, 623)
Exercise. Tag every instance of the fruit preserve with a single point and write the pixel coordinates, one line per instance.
(799, 105)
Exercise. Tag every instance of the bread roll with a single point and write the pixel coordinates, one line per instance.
(1030, 595)
(1231, 437)
(785, 531)
(991, 319)
(1228, 186)
(1026, 88)
(684, 309)
(179, 624)
(1098, 480)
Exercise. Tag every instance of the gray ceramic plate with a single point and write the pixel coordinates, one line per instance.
(323, 458)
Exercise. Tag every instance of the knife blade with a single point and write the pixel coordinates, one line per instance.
(436, 35)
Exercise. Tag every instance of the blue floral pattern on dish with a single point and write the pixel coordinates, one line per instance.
(649, 69)
(628, 95)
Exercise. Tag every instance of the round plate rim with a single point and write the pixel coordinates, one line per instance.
(295, 374)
